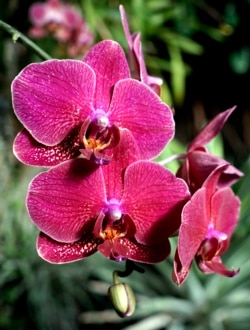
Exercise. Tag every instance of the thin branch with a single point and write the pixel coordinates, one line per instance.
(20, 37)
(172, 158)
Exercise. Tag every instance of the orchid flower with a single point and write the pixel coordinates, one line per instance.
(208, 221)
(136, 58)
(55, 17)
(71, 107)
(199, 162)
(64, 22)
(125, 210)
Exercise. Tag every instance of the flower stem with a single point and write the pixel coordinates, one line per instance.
(130, 267)
(172, 158)
(20, 37)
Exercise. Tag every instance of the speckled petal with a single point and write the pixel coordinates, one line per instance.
(59, 253)
(31, 152)
(53, 97)
(153, 198)
(123, 248)
(108, 60)
(65, 201)
(136, 107)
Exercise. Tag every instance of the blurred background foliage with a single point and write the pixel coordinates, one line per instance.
(202, 51)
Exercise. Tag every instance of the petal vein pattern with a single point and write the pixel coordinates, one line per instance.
(52, 97)
(60, 203)
(135, 107)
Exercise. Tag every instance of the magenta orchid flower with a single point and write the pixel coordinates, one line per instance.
(125, 210)
(71, 107)
(136, 58)
(55, 17)
(64, 22)
(199, 162)
(208, 221)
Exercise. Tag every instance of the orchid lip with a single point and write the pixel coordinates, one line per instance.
(97, 135)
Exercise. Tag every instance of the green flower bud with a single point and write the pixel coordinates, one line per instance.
(122, 298)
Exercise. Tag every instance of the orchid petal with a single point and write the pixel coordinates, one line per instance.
(153, 198)
(179, 273)
(123, 248)
(211, 129)
(124, 154)
(136, 107)
(125, 26)
(53, 97)
(31, 152)
(212, 181)
(65, 201)
(110, 65)
(59, 252)
(201, 164)
(216, 266)
(37, 13)
(195, 221)
(136, 58)
(225, 210)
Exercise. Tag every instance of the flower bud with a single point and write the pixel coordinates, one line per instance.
(122, 298)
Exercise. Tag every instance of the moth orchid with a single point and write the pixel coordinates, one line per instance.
(72, 107)
(208, 221)
(125, 210)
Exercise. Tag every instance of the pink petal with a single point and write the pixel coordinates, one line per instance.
(153, 82)
(195, 221)
(201, 164)
(216, 266)
(179, 273)
(37, 32)
(37, 13)
(211, 182)
(225, 211)
(153, 198)
(110, 65)
(126, 26)
(31, 152)
(59, 253)
(136, 58)
(65, 201)
(53, 97)
(124, 154)
(211, 129)
(146, 253)
(123, 248)
(136, 107)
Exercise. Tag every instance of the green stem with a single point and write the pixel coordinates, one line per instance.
(172, 158)
(18, 36)
(130, 267)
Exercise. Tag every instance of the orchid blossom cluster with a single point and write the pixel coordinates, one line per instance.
(96, 124)
(64, 22)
